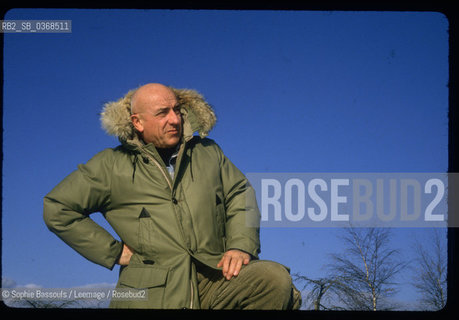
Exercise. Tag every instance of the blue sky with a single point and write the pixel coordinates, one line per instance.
(294, 91)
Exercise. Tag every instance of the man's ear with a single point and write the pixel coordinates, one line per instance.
(137, 123)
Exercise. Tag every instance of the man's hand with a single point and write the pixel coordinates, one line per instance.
(125, 255)
(232, 262)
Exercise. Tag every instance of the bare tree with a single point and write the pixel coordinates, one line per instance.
(430, 272)
(41, 304)
(364, 274)
(321, 291)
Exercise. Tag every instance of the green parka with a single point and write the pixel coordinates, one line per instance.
(207, 208)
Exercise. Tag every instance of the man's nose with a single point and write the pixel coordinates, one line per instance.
(173, 117)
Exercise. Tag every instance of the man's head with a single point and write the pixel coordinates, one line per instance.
(156, 115)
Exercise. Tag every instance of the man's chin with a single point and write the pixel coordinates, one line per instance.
(170, 143)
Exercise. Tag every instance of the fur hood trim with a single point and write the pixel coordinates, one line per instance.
(197, 114)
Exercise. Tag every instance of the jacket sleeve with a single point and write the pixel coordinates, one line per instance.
(242, 214)
(67, 207)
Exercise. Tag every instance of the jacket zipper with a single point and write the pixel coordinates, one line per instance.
(170, 186)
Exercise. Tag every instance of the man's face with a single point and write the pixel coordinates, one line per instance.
(159, 120)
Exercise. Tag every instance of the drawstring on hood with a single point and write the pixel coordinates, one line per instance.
(134, 164)
(191, 163)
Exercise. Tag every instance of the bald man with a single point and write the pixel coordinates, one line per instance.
(186, 216)
(156, 115)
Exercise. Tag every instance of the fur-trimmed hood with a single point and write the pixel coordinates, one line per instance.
(197, 115)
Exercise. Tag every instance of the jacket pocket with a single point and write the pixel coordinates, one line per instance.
(152, 279)
(143, 277)
(146, 233)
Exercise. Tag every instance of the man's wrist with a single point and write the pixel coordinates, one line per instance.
(250, 255)
(117, 261)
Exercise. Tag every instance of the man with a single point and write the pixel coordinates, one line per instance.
(186, 216)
